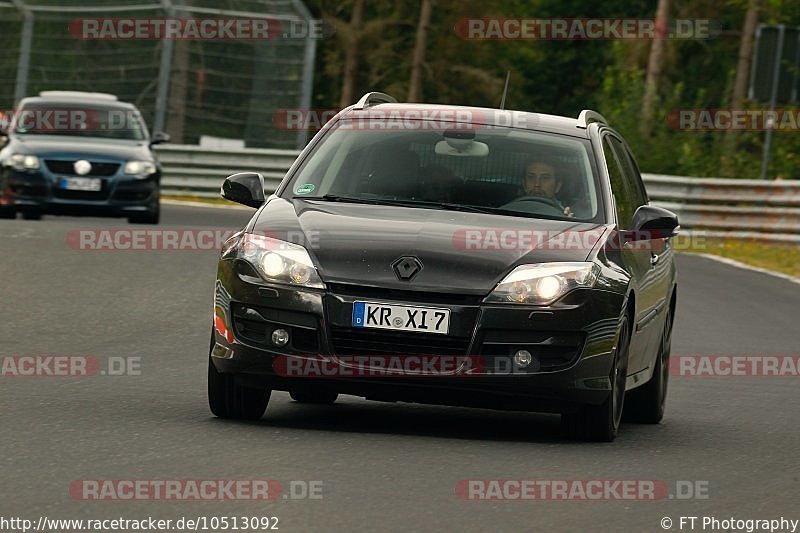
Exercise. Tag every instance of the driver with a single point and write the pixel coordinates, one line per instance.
(542, 180)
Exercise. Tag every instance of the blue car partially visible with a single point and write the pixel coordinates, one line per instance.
(79, 153)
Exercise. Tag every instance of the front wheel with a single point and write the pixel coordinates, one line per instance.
(647, 403)
(601, 423)
(149, 217)
(228, 399)
(31, 214)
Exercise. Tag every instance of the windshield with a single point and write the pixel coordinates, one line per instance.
(79, 120)
(471, 168)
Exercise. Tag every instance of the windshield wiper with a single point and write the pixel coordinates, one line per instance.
(338, 198)
(441, 205)
(408, 203)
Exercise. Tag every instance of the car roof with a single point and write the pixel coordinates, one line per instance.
(469, 114)
(71, 98)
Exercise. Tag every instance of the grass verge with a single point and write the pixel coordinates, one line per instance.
(779, 257)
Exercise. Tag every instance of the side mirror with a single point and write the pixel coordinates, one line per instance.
(246, 188)
(651, 222)
(159, 137)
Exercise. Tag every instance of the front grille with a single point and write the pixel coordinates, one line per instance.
(359, 341)
(67, 167)
(378, 293)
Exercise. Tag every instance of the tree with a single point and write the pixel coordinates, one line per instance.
(418, 57)
(745, 53)
(351, 55)
(655, 64)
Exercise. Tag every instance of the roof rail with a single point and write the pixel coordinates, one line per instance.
(587, 116)
(77, 94)
(374, 98)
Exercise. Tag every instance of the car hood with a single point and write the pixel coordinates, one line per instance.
(459, 251)
(63, 146)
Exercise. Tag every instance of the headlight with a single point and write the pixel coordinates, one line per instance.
(543, 283)
(24, 162)
(277, 261)
(135, 168)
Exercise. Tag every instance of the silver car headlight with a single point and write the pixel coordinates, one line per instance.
(137, 168)
(277, 261)
(24, 162)
(543, 283)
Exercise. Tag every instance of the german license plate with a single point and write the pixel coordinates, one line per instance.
(81, 184)
(401, 317)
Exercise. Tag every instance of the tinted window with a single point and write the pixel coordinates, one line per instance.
(506, 170)
(624, 196)
(631, 173)
(79, 120)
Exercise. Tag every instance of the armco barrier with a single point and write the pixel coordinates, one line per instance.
(768, 210)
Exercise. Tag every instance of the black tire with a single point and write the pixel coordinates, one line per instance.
(228, 399)
(601, 423)
(320, 397)
(150, 217)
(31, 215)
(646, 404)
(8, 213)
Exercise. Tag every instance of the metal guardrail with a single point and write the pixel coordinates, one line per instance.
(705, 206)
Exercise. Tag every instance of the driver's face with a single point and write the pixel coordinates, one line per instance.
(540, 180)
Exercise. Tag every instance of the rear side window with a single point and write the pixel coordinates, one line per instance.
(625, 196)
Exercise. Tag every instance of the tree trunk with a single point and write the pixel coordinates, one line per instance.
(418, 58)
(351, 55)
(655, 64)
(745, 54)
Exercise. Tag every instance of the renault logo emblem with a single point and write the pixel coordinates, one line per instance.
(407, 267)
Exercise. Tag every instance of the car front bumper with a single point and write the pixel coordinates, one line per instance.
(120, 195)
(572, 344)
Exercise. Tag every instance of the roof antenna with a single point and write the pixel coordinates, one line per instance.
(505, 91)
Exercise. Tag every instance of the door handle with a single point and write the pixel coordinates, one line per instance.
(654, 259)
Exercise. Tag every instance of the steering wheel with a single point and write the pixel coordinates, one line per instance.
(549, 202)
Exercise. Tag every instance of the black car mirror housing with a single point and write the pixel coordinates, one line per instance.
(651, 222)
(246, 188)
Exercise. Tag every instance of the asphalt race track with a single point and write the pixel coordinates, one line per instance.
(382, 466)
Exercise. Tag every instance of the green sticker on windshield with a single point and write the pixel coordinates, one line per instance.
(305, 189)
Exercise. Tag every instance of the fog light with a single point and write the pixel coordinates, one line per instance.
(280, 337)
(523, 358)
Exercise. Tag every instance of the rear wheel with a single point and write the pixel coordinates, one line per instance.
(646, 404)
(314, 396)
(601, 423)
